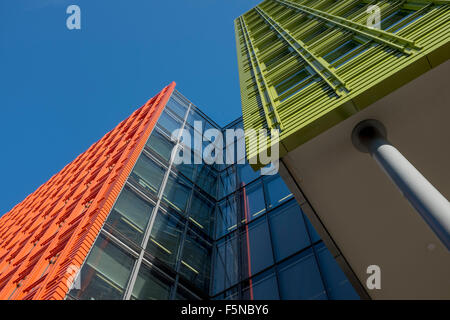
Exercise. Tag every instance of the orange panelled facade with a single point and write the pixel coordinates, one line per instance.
(53, 229)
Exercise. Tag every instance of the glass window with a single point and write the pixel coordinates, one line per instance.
(165, 237)
(315, 34)
(160, 145)
(257, 249)
(188, 170)
(292, 81)
(202, 213)
(148, 174)
(277, 191)
(196, 260)
(194, 115)
(130, 215)
(226, 263)
(207, 179)
(150, 285)
(300, 278)
(342, 51)
(337, 283)
(354, 9)
(184, 294)
(289, 233)
(105, 273)
(262, 287)
(395, 18)
(227, 182)
(247, 174)
(169, 123)
(177, 105)
(226, 216)
(253, 201)
(177, 192)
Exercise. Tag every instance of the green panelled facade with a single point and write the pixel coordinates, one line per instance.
(306, 65)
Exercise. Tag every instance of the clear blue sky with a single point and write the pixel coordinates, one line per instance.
(62, 90)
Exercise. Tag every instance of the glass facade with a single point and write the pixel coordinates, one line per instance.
(197, 231)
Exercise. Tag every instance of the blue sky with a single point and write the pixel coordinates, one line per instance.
(61, 90)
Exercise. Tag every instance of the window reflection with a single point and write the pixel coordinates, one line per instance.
(130, 215)
(226, 216)
(207, 179)
(300, 278)
(150, 285)
(337, 283)
(148, 174)
(105, 273)
(165, 237)
(169, 122)
(262, 287)
(277, 191)
(226, 263)
(178, 105)
(160, 144)
(196, 260)
(253, 201)
(177, 192)
(247, 174)
(257, 249)
(288, 229)
(202, 212)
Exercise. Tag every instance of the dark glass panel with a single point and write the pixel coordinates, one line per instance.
(337, 283)
(289, 233)
(165, 237)
(105, 274)
(130, 215)
(151, 285)
(300, 278)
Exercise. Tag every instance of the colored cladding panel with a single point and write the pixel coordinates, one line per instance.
(49, 234)
(305, 66)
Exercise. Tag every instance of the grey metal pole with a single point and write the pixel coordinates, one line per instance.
(370, 136)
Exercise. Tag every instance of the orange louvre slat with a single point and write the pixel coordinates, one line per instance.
(55, 226)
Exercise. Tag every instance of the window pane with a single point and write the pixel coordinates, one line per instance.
(188, 170)
(177, 192)
(257, 250)
(289, 233)
(196, 261)
(337, 283)
(300, 278)
(130, 215)
(254, 204)
(178, 105)
(169, 123)
(148, 174)
(159, 144)
(226, 216)
(227, 182)
(226, 264)
(247, 174)
(207, 179)
(395, 18)
(150, 285)
(292, 81)
(105, 273)
(262, 287)
(165, 237)
(341, 51)
(202, 212)
(277, 191)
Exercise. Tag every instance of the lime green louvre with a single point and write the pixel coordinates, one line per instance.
(306, 65)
